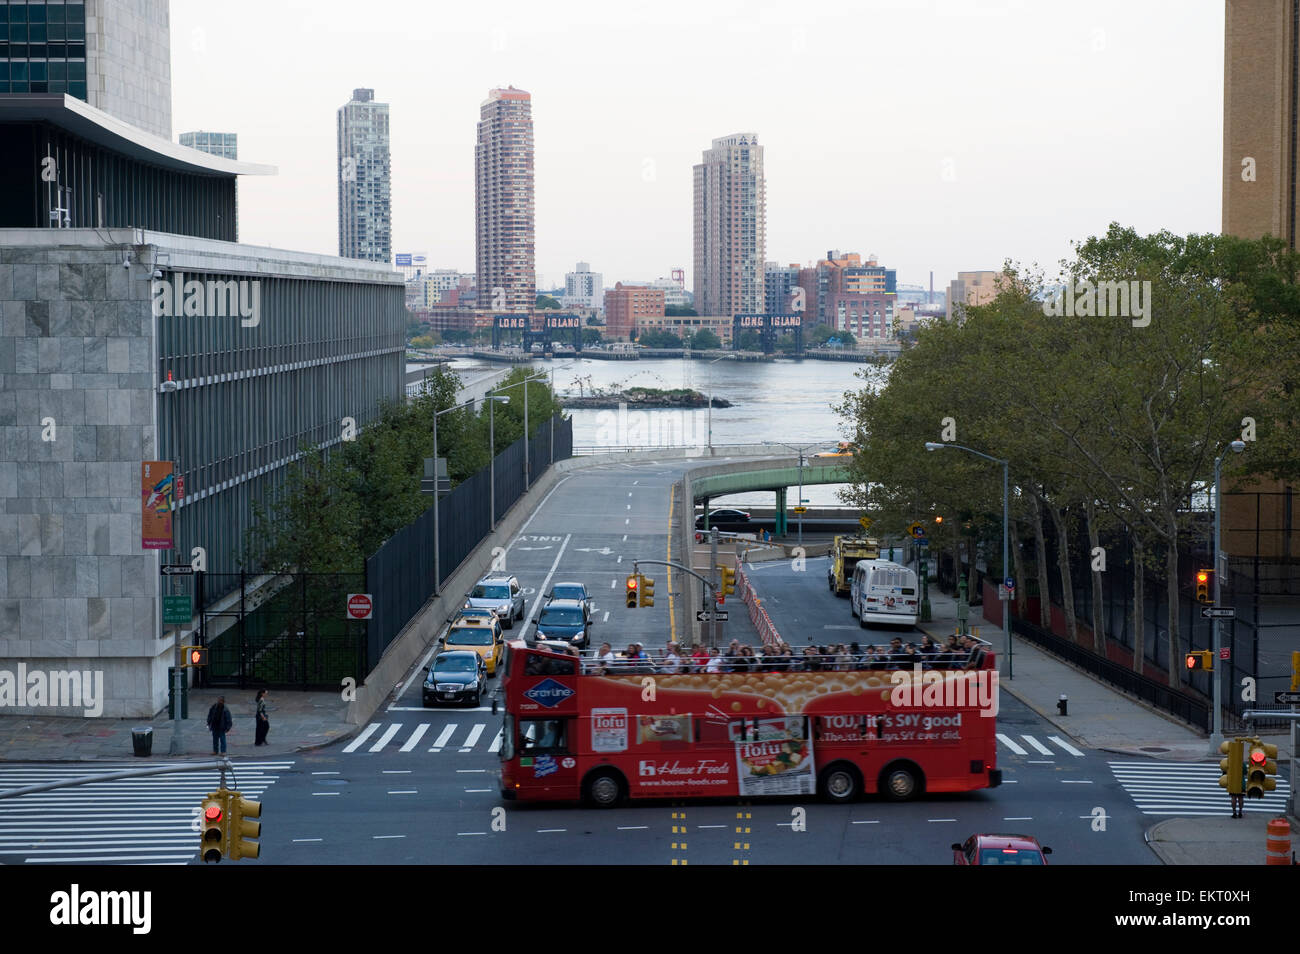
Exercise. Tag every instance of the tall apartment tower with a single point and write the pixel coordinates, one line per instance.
(225, 145)
(113, 55)
(365, 179)
(504, 206)
(730, 227)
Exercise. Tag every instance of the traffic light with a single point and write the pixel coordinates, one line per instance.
(647, 590)
(1234, 771)
(631, 592)
(1203, 586)
(1260, 765)
(196, 656)
(728, 580)
(242, 829)
(1201, 659)
(938, 519)
(214, 825)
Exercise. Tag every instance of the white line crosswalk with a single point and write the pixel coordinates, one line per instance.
(1187, 789)
(128, 821)
(452, 737)
(1038, 747)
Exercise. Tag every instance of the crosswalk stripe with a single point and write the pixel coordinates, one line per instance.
(1037, 745)
(1187, 788)
(1013, 746)
(1065, 745)
(360, 740)
(386, 737)
(422, 728)
(496, 743)
(474, 733)
(442, 738)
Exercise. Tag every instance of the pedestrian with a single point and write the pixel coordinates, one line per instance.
(263, 723)
(219, 722)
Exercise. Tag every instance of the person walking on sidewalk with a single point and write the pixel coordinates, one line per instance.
(219, 722)
(263, 723)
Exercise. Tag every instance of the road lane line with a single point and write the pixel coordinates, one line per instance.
(327, 793)
(469, 771)
(1022, 818)
(1013, 746)
(1076, 781)
(874, 821)
(309, 839)
(543, 831)
(941, 819)
(405, 791)
(724, 826)
(461, 833)
(1039, 762)
(606, 619)
(1042, 749)
(1065, 745)
(326, 773)
(386, 737)
(496, 744)
(360, 740)
(441, 740)
(546, 583)
(415, 736)
(397, 771)
(387, 836)
(633, 827)
(472, 739)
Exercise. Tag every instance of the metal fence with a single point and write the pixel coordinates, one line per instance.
(402, 570)
(286, 631)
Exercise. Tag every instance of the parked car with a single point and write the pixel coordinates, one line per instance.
(455, 677)
(572, 591)
(477, 634)
(1000, 850)
(563, 620)
(717, 517)
(500, 593)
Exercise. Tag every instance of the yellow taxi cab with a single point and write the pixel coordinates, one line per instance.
(480, 634)
(843, 449)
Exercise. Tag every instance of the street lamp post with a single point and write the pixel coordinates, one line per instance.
(1216, 737)
(526, 382)
(799, 449)
(711, 364)
(437, 568)
(492, 455)
(1002, 591)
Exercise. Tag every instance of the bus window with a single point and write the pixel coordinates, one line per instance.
(543, 736)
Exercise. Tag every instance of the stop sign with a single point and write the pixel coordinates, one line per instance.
(359, 606)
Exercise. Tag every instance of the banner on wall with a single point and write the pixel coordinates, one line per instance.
(157, 504)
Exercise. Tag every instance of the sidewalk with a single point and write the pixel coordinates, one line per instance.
(299, 720)
(1105, 718)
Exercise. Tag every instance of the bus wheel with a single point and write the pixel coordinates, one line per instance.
(901, 781)
(840, 783)
(603, 789)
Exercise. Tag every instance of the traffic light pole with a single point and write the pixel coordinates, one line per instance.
(713, 573)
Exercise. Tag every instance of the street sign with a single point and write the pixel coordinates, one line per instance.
(800, 509)
(1225, 652)
(1218, 612)
(1287, 698)
(177, 569)
(916, 530)
(360, 606)
(923, 543)
(866, 522)
(705, 616)
(177, 609)
(1010, 583)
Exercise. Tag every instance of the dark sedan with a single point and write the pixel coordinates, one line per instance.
(457, 676)
(563, 620)
(719, 517)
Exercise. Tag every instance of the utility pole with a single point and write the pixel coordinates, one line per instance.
(713, 575)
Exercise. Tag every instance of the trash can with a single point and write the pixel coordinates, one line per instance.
(142, 740)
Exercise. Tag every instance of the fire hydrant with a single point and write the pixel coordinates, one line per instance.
(1063, 705)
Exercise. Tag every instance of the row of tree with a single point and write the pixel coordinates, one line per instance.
(1111, 422)
(339, 505)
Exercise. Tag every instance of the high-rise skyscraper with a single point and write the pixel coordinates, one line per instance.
(225, 145)
(730, 227)
(365, 179)
(115, 56)
(504, 207)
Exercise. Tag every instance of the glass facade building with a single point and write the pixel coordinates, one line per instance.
(225, 145)
(43, 49)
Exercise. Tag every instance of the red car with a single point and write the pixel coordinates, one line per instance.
(1000, 850)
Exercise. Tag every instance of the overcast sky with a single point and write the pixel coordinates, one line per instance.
(940, 135)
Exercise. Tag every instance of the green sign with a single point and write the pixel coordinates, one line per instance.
(177, 609)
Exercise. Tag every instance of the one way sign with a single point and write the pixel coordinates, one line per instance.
(1218, 612)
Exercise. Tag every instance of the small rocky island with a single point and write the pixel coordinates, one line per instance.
(642, 398)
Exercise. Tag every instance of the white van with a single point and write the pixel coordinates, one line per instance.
(884, 592)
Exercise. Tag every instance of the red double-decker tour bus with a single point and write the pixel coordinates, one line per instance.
(575, 730)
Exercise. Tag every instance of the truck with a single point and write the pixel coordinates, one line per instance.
(845, 553)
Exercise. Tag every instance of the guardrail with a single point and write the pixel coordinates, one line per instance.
(757, 615)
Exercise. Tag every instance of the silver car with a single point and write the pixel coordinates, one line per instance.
(502, 594)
